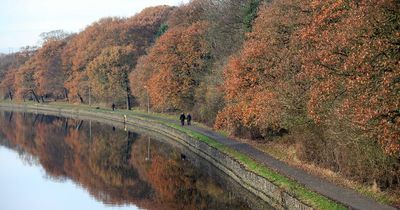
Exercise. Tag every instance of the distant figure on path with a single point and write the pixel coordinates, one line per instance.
(189, 118)
(113, 106)
(183, 156)
(182, 118)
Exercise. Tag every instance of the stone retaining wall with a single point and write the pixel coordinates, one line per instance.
(261, 187)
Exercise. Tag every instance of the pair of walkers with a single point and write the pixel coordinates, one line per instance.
(184, 117)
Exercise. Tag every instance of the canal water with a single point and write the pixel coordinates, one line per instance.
(54, 163)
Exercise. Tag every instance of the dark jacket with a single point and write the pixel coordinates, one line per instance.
(182, 117)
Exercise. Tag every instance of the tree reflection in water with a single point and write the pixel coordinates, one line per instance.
(116, 167)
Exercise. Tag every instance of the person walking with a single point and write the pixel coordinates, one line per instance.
(113, 106)
(182, 118)
(189, 119)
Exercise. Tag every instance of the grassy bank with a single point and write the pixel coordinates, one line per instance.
(307, 196)
(286, 152)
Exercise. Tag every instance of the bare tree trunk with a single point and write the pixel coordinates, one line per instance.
(80, 98)
(128, 92)
(128, 97)
(36, 97)
(66, 94)
(10, 94)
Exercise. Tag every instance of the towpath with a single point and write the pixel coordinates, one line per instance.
(346, 196)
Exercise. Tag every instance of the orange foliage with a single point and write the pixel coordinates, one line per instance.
(108, 73)
(187, 14)
(138, 31)
(352, 60)
(261, 84)
(7, 83)
(24, 80)
(42, 73)
(49, 77)
(173, 67)
(9, 64)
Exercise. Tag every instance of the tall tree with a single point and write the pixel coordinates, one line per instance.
(42, 74)
(108, 74)
(9, 65)
(49, 76)
(177, 62)
(263, 92)
(56, 35)
(352, 58)
(25, 84)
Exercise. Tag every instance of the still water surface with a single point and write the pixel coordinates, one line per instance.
(49, 162)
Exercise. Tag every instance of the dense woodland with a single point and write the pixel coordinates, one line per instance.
(323, 76)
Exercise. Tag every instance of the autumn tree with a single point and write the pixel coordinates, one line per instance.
(264, 96)
(225, 37)
(9, 65)
(55, 35)
(108, 74)
(7, 84)
(173, 68)
(352, 58)
(228, 21)
(49, 76)
(82, 49)
(7, 62)
(187, 14)
(42, 74)
(138, 31)
(25, 84)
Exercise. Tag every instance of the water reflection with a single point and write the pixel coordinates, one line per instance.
(120, 167)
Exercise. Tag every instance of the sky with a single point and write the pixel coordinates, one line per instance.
(22, 21)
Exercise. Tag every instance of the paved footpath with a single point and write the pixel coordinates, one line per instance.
(346, 196)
